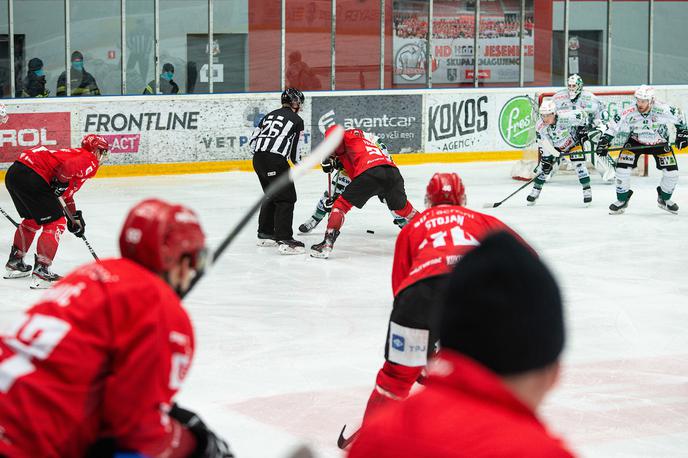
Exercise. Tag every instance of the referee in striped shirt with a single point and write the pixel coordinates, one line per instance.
(275, 140)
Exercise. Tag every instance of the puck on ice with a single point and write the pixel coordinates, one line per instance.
(370, 232)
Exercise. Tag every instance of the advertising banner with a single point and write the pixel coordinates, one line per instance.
(457, 122)
(396, 119)
(26, 130)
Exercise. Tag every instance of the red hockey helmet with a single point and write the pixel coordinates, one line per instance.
(157, 234)
(445, 188)
(95, 144)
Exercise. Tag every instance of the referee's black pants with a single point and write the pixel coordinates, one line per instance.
(277, 213)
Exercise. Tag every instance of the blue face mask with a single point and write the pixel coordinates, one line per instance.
(40, 72)
(167, 76)
(78, 65)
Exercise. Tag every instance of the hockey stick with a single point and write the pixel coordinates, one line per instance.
(323, 150)
(69, 216)
(4, 213)
(497, 204)
(344, 442)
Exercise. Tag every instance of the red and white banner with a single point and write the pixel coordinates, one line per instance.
(26, 130)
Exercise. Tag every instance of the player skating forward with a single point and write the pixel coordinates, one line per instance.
(340, 180)
(35, 181)
(373, 173)
(92, 369)
(560, 132)
(574, 97)
(426, 250)
(647, 121)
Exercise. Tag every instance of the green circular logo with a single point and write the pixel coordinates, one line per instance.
(517, 122)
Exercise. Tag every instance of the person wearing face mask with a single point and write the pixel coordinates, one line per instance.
(166, 84)
(34, 83)
(81, 81)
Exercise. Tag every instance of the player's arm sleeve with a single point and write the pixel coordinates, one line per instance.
(150, 358)
(296, 144)
(402, 258)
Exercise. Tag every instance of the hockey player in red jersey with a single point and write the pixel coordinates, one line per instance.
(373, 173)
(93, 367)
(426, 250)
(35, 181)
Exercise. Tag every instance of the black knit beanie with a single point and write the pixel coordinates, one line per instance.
(503, 308)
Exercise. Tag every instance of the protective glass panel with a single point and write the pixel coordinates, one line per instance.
(96, 62)
(308, 44)
(630, 33)
(230, 38)
(670, 64)
(358, 45)
(4, 51)
(39, 35)
(264, 47)
(140, 55)
(409, 43)
(184, 45)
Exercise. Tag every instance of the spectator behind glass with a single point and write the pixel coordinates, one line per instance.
(166, 85)
(501, 333)
(81, 81)
(34, 83)
(300, 75)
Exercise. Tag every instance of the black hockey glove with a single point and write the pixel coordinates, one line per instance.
(603, 145)
(78, 227)
(58, 187)
(582, 134)
(681, 138)
(208, 444)
(327, 165)
(547, 166)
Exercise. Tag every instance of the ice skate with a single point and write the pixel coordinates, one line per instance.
(290, 246)
(309, 225)
(323, 249)
(266, 240)
(666, 204)
(619, 206)
(42, 277)
(587, 196)
(533, 196)
(16, 267)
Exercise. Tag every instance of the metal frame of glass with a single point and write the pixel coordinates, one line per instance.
(283, 63)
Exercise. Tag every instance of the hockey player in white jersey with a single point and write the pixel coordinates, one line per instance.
(574, 97)
(560, 132)
(647, 123)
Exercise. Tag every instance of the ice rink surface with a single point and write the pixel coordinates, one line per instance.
(288, 346)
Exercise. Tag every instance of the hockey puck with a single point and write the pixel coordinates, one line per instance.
(370, 232)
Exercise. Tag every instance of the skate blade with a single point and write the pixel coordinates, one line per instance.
(39, 283)
(16, 274)
(666, 209)
(266, 243)
(320, 254)
(618, 212)
(287, 250)
(530, 204)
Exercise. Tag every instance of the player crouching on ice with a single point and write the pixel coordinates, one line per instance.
(98, 361)
(339, 181)
(647, 123)
(425, 253)
(561, 132)
(36, 181)
(373, 173)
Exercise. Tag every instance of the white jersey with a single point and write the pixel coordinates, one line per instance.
(586, 101)
(649, 128)
(563, 134)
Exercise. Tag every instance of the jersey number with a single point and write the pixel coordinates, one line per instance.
(457, 235)
(271, 128)
(35, 338)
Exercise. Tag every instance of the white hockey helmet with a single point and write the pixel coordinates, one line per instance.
(547, 107)
(645, 92)
(574, 85)
(3, 114)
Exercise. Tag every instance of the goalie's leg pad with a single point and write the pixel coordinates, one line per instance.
(49, 240)
(25, 233)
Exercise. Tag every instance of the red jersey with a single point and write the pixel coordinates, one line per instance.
(436, 239)
(358, 154)
(102, 354)
(72, 165)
